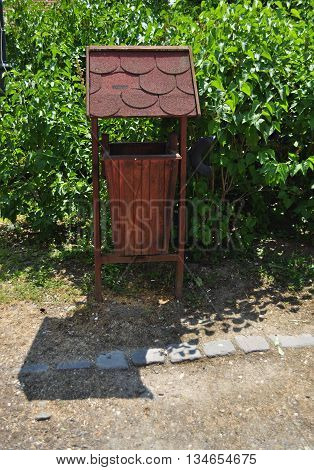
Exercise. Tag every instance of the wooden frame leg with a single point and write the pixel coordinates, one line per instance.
(96, 210)
(182, 208)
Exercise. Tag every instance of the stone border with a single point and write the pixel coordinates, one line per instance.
(118, 360)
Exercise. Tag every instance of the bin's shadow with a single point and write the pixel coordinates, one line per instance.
(50, 349)
(84, 334)
(90, 329)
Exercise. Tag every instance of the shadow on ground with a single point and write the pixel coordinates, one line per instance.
(88, 332)
(139, 310)
(92, 328)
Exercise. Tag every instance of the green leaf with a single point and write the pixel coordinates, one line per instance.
(217, 83)
(251, 54)
(266, 54)
(232, 101)
(295, 13)
(231, 105)
(246, 87)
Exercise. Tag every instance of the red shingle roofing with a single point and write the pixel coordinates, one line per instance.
(125, 81)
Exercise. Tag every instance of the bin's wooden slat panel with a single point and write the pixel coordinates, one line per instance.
(152, 207)
(114, 176)
(113, 198)
(116, 196)
(171, 170)
(122, 209)
(166, 203)
(127, 199)
(146, 220)
(141, 202)
(161, 207)
(137, 207)
(156, 183)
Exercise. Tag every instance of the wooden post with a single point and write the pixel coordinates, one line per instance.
(182, 208)
(96, 209)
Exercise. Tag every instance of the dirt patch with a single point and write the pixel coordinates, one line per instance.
(231, 301)
(259, 401)
(255, 401)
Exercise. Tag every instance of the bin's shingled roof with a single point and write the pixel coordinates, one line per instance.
(130, 81)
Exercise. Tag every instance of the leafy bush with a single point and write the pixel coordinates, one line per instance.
(253, 64)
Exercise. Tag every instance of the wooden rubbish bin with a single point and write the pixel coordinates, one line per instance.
(142, 178)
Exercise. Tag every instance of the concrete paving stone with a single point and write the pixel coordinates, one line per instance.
(145, 356)
(219, 348)
(183, 352)
(75, 364)
(297, 341)
(112, 360)
(252, 343)
(34, 368)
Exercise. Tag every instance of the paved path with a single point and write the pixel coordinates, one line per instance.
(177, 353)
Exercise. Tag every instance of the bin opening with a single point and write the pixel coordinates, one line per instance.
(135, 149)
(141, 149)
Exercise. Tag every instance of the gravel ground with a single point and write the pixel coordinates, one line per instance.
(260, 401)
